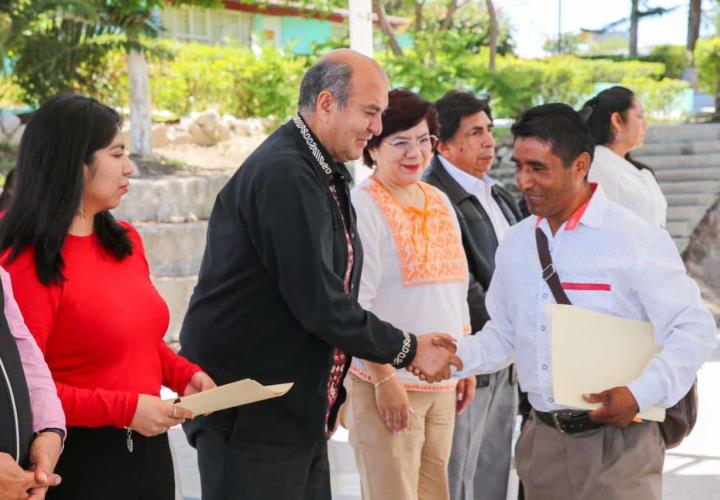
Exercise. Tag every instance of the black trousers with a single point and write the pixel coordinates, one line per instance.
(249, 470)
(96, 465)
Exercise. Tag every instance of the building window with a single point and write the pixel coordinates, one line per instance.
(216, 26)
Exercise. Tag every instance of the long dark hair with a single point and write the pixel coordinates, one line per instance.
(597, 113)
(61, 137)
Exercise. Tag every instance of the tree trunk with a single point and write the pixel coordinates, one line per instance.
(452, 8)
(694, 17)
(493, 33)
(392, 42)
(140, 119)
(634, 18)
(419, 15)
(716, 115)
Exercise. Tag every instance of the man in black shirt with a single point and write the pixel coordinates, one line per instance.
(276, 299)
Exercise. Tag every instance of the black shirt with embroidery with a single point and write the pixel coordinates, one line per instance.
(276, 298)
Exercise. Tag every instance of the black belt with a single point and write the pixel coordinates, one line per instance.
(568, 421)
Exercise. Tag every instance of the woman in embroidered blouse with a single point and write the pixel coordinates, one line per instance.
(414, 275)
(616, 118)
(83, 285)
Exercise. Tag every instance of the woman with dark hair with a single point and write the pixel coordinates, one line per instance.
(617, 122)
(83, 285)
(415, 276)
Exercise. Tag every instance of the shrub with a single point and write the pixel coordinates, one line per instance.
(707, 59)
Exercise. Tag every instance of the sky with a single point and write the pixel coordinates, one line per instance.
(536, 20)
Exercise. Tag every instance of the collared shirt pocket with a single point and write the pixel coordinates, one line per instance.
(591, 292)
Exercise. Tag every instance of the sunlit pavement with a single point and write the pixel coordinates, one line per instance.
(692, 471)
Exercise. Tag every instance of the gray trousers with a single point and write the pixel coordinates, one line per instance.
(480, 457)
(608, 463)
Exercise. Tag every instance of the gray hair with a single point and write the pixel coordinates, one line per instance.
(327, 75)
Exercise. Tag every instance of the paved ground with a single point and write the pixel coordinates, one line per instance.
(692, 471)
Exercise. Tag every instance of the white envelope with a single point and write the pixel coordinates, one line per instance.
(230, 395)
(593, 352)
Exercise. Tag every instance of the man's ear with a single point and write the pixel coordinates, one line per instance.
(581, 164)
(325, 105)
(443, 148)
(373, 154)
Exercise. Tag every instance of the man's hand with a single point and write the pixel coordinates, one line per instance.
(200, 381)
(435, 354)
(44, 455)
(14, 481)
(618, 407)
(465, 393)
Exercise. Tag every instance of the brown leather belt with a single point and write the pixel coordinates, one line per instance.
(568, 421)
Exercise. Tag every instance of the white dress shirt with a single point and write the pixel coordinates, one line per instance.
(482, 190)
(610, 261)
(637, 190)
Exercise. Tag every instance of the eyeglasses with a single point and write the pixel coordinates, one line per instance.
(424, 143)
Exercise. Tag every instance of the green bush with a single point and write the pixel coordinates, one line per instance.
(232, 80)
(662, 99)
(675, 57)
(10, 94)
(707, 59)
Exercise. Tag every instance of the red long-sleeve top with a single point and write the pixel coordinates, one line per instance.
(101, 330)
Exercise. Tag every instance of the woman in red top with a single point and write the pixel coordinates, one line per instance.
(83, 285)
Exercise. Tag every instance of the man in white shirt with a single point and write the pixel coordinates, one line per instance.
(480, 458)
(610, 261)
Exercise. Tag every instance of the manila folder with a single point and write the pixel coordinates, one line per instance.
(230, 395)
(593, 352)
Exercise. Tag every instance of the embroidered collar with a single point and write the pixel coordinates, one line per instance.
(318, 152)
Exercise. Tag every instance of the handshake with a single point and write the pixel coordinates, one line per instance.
(435, 354)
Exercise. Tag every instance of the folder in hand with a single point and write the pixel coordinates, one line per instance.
(238, 393)
(593, 352)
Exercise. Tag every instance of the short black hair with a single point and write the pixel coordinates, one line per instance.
(405, 110)
(453, 107)
(558, 125)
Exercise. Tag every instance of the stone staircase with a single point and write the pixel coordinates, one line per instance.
(171, 214)
(686, 160)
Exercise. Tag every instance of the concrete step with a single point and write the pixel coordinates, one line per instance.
(673, 186)
(170, 198)
(176, 291)
(676, 148)
(675, 133)
(680, 229)
(174, 249)
(684, 198)
(687, 212)
(682, 162)
(681, 242)
(708, 174)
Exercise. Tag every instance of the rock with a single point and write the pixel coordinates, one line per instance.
(179, 135)
(159, 135)
(207, 128)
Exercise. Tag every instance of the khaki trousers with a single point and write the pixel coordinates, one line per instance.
(409, 466)
(608, 463)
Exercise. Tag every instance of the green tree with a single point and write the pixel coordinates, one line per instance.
(56, 45)
(707, 58)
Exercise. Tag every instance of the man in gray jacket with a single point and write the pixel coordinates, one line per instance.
(480, 458)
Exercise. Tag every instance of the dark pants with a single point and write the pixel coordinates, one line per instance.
(250, 470)
(96, 465)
